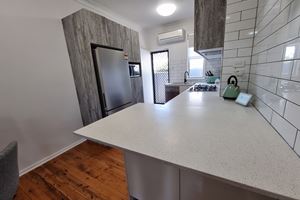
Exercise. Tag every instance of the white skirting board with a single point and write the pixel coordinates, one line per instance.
(48, 158)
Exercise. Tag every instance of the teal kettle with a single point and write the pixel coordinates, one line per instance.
(232, 89)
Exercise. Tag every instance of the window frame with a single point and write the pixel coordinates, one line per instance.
(189, 64)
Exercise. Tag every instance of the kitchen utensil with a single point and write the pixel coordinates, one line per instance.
(232, 89)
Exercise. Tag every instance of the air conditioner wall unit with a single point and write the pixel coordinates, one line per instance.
(172, 37)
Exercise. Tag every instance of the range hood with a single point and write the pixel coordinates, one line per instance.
(211, 54)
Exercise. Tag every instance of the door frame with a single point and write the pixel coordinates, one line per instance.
(152, 69)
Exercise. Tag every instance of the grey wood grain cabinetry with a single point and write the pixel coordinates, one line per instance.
(82, 67)
(135, 47)
(81, 30)
(137, 90)
(209, 24)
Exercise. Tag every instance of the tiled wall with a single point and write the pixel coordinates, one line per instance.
(239, 33)
(275, 69)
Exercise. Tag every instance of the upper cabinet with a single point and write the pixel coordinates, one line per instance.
(209, 20)
(134, 55)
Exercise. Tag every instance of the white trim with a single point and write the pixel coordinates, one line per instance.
(48, 158)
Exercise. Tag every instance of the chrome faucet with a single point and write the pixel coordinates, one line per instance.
(186, 74)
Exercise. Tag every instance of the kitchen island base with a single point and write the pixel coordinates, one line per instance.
(150, 179)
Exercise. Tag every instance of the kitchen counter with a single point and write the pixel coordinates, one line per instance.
(204, 133)
(180, 84)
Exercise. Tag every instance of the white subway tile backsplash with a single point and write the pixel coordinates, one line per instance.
(248, 14)
(295, 10)
(243, 5)
(276, 69)
(232, 1)
(238, 44)
(230, 53)
(284, 128)
(231, 70)
(248, 33)
(235, 17)
(296, 71)
(262, 57)
(275, 54)
(239, 33)
(264, 7)
(232, 36)
(232, 61)
(269, 16)
(275, 102)
(246, 24)
(285, 3)
(289, 90)
(244, 52)
(243, 78)
(297, 144)
(275, 60)
(265, 110)
(292, 114)
(267, 83)
(273, 26)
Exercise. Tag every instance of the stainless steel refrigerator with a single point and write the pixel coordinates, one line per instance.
(113, 78)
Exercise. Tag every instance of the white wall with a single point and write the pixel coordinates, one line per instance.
(177, 51)
(147, 76)
(38, 105)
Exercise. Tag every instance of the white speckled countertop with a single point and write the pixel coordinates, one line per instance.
(202, 132)
(180, 84)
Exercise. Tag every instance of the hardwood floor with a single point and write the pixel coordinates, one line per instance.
(88, 171)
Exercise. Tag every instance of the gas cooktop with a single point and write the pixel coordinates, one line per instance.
(204, 87)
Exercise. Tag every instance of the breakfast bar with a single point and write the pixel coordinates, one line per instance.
(199, 146)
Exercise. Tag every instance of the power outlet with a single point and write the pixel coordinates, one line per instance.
(239, 71)
(239, 64)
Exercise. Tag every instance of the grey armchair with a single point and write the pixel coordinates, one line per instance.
(9, 171)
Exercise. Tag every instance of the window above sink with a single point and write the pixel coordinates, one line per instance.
(195, 64)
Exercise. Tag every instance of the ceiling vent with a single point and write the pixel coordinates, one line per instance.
(171, 37)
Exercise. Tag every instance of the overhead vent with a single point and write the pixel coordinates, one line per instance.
(211, 54)
(172, 37)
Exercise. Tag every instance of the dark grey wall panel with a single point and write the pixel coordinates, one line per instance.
(82, 67)
(209, 24)
(83, 28)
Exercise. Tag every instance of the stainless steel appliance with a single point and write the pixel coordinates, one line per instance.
(204, 87)
(113, 79)
(134, 69)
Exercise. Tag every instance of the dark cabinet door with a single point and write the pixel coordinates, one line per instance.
(209, 24)
(135, 47)
(126, 41)
(171, 92)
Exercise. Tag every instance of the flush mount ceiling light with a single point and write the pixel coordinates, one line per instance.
(166, 9)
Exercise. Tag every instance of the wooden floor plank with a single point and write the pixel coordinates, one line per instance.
(21, 195)
(88, 171)
(60, 184)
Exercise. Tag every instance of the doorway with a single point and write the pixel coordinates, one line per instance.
(160, 74)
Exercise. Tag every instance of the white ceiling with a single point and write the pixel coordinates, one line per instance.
(143, 12)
